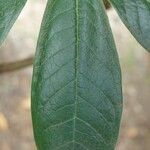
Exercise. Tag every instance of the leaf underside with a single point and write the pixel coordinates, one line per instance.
(9, 11)
(76, 87)
(136, 16)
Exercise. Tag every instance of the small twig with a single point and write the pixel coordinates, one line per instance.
(13, 66)
(107, 4)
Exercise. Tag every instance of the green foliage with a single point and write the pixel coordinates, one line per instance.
(76, 86)
(136, 16)
(9, 11)
(76, 90)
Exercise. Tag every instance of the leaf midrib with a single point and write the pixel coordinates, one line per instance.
(76, 64)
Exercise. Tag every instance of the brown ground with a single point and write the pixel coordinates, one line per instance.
(15, 118)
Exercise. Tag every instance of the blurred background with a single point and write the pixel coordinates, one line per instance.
(15, 117)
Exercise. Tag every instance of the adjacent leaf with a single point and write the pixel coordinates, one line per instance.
(136, 16)
(76, 88)
(9, 11)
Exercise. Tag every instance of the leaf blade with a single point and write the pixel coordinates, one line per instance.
(76, 88)
(136, 16)
(9, 11)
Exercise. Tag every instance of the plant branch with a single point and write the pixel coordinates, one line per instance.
(13, 66)
(107, 4)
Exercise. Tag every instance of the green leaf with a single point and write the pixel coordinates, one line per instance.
(136, 16)
(76, 87)
(9, 11)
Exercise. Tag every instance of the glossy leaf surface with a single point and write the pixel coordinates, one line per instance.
(9, 11)
(136, 16)
(76, 87)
